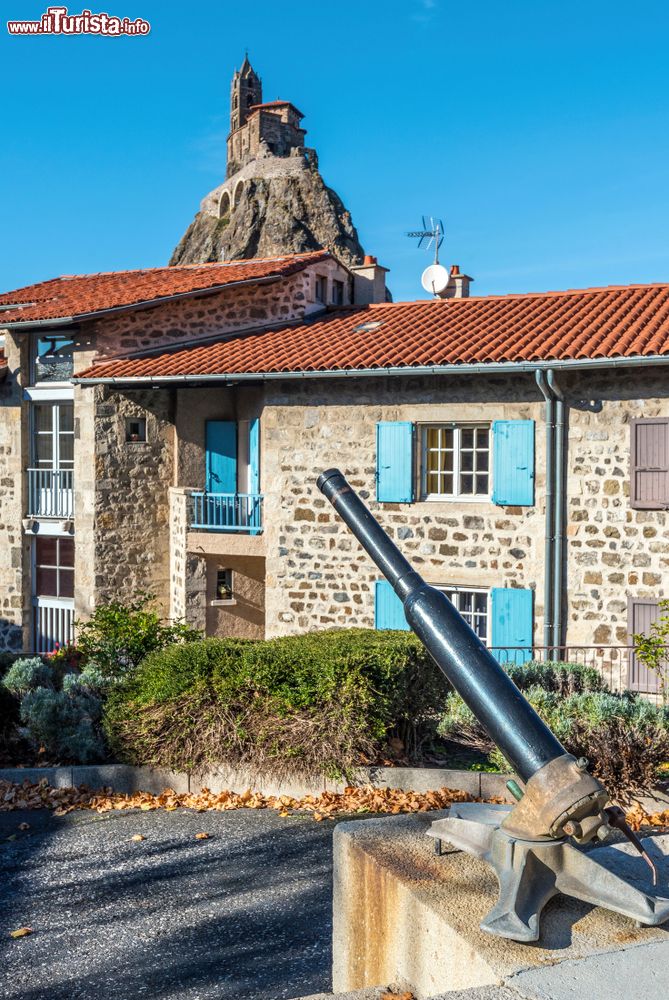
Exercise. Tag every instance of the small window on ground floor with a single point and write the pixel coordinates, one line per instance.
(474, 606)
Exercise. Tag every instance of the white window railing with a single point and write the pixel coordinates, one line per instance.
(50, 493)
(54, 622)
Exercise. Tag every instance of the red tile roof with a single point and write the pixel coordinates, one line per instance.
(275, 104)
(590, 323)
(85, 294)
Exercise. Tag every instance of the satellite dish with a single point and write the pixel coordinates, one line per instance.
(435, 279)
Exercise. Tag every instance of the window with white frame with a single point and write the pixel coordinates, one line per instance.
(53, 435)
(54, 566)
(455, 461)
(474, 606)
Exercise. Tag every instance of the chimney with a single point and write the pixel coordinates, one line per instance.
(458, 284)
(369, 282)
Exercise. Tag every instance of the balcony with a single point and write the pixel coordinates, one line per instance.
(51, 493)
(227, 512)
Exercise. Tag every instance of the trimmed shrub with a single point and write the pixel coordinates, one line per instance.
(321, 701)
(61, 716)
(27, 674)
(563, 678)
(625, 737)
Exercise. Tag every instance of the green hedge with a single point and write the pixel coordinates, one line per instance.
(562, 678)
(326, 701)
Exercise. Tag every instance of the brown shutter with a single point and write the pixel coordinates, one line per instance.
(640, 616)
(649, 487)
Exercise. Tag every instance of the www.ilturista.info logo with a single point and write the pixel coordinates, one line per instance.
(57, 21)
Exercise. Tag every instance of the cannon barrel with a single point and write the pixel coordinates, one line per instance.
(510, 721)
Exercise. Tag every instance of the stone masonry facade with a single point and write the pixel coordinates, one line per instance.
(12, 462)
(187, 319)
(318, 577)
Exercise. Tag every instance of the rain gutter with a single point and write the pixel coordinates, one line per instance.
(549, 529)
(483, 368)
(560, 489)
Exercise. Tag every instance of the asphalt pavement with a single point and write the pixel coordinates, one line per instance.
(245, 913)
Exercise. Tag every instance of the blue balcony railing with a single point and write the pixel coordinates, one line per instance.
(227, 512)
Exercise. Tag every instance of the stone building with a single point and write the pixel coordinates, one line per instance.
(273, 199)
(516, 447)
(273, 127)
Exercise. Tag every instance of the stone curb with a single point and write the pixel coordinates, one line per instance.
(123, 778)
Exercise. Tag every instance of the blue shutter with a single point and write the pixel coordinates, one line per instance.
(254, 476)
(221, 455)
(394, 462)
(512, 621)
(388, 609)
(513, 462)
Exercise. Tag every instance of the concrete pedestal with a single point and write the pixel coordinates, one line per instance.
(402, 914)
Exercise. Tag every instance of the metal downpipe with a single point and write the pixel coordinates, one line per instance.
(560, 427)
(549, 529)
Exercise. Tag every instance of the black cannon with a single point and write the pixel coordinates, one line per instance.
(533, 846)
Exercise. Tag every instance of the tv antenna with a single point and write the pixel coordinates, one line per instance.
(432, 234)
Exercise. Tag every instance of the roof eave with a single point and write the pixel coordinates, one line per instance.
(483, 368)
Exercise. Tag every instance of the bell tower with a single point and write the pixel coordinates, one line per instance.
(246, 90)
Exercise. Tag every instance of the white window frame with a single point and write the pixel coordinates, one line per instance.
(457, 589)
(457, 427)
(54, 433)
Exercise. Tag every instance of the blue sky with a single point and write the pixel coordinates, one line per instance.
(538, 131)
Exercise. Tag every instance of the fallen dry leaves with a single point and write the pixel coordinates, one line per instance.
(327, 805)
(640, 819)
(202, 836)
(21, 932)
(137, 837)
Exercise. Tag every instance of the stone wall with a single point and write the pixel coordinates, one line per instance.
(14, 550)
(178, 529)
(181, 321)
(615, 552)
(132, 481)
(267, 166)
(317, 575)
